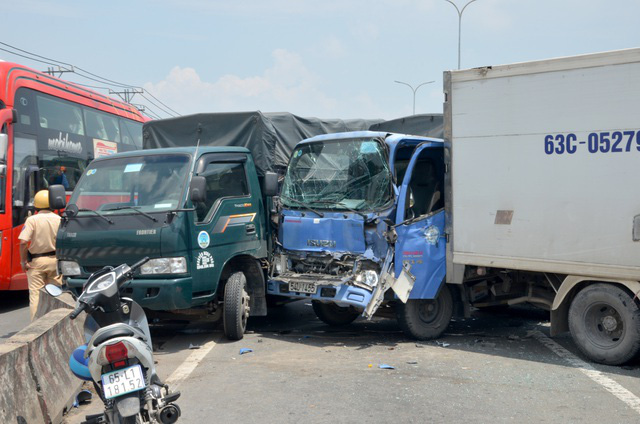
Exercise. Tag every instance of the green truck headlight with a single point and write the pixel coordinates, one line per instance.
(164, 266)
(69, 268)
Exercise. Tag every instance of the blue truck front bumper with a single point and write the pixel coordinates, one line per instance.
(343, 295)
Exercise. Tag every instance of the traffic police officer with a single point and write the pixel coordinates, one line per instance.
(38, 248)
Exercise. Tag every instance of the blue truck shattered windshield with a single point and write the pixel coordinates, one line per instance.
(344, 174)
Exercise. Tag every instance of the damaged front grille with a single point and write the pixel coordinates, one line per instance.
(324, 264)
(326, 270)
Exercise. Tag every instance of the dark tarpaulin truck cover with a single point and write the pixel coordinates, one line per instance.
(426, 125)
(270, 137)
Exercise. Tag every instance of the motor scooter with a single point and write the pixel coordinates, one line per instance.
(118, 357)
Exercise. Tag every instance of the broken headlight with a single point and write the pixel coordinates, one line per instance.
(368, 278)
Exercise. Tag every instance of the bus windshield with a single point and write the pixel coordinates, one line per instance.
(62, 137)
(339, 174)
(152, 183)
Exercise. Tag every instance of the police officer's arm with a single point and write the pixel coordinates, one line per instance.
(23, 255)
(25, 238)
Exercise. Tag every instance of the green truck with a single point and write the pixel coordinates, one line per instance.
(196, 201)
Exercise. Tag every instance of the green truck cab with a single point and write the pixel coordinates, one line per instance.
(199, 213)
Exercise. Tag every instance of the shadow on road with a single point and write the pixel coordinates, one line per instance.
(502, 332)
(12, 300)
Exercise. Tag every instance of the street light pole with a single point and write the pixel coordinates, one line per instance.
(414, 91)
(460, 12)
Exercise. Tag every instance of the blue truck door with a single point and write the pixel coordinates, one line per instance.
(421, 244)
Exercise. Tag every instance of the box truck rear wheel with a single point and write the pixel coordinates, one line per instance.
(605, 324)
(334, 315)
(236, 306)
(426, 319)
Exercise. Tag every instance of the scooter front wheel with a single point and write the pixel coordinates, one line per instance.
(131, 420)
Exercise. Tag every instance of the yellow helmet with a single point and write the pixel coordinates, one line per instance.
(41, 201)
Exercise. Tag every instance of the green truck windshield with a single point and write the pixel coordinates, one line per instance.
(152, 183)
(338, 174)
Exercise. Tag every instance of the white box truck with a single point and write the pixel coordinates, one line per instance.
(542, 160)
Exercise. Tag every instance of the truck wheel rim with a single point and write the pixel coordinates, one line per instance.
(244, 307)
(605, 326)
(428, 311)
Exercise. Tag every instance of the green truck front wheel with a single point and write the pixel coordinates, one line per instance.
(236, 306)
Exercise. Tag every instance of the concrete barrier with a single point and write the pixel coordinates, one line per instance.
(19, 400)
(47, 303)
(37, 384)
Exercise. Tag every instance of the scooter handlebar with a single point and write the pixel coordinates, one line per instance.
(81, 307)
(139, 263)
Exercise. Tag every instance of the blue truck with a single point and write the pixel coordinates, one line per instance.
(362, 213)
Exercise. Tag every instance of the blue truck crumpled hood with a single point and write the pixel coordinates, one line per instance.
(332, 233)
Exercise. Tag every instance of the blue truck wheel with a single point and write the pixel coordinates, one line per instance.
(424, 319)
(334, 315)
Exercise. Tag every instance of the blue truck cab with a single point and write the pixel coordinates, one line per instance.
(361, 225)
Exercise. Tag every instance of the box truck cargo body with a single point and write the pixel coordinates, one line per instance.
(542, 160)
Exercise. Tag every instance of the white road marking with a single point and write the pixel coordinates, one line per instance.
(610, 385)
(186, 368)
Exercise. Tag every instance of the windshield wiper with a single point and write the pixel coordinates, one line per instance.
(133, 208)
(97, 213)
(342, 204)
(304, 205)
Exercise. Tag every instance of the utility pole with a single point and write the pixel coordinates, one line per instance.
(460, 12)
(127, 94)
(414, 91)
(52, 71)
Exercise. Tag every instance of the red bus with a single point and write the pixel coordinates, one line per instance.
(50, 130)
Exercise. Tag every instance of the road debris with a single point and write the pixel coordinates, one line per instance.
(386, 367)
(245, 350)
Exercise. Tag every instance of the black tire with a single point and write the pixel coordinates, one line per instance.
(604, 322)
(426, 319)
(236, 306)
(131, 420)
(334, 315)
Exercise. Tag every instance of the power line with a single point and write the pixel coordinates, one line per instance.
(162, 103)
(81, 72)
(159, 107)
(26, 57)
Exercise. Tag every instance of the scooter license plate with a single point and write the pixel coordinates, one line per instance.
(123, 381)
(299, 287)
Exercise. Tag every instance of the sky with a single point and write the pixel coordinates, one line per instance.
(328, 59)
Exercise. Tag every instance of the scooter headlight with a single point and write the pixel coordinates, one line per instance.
(164, 266)
(69, 268)
(102, 283)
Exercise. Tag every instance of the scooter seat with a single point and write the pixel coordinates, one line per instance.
(113, 333)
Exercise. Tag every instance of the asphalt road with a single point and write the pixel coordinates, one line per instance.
(492, 368)
(14, 312)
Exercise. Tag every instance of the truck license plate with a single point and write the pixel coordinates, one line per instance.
(121, 382)
(302, 287)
